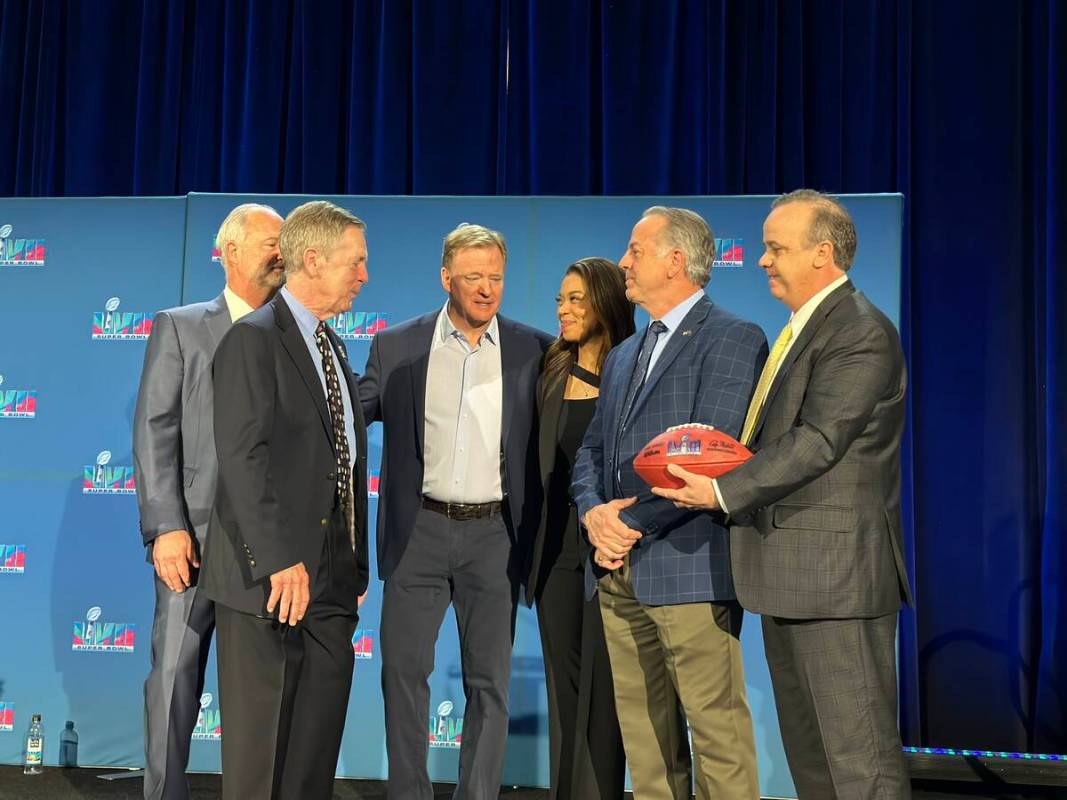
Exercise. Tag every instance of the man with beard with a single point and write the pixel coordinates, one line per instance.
(176, 466)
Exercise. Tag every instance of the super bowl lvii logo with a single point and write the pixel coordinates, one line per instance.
(112, 324)
(683, 446)
(94, 636)
(19, 252)
(208, 721)
(12, 558)
(363, 643)
(446, 731)
(729, 253)
(17, 403)
(359, 324)
(104, 478)
(7, 717)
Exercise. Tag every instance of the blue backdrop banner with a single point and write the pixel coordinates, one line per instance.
(79, 283)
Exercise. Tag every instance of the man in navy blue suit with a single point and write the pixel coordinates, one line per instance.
(454, 390)
(666, 594)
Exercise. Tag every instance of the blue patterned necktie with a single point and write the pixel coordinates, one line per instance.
(637, 380)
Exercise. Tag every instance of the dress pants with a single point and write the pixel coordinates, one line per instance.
(284, 689)
(691, 649)
(835, 687)
(181, 639)
(468, 563)
(586, 756)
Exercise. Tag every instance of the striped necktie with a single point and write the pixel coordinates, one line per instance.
(766, 377)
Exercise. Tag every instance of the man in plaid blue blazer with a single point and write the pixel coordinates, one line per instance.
(670, 615)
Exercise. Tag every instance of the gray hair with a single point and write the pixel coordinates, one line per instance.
(687, 231)
(468, 234)
(234, 227)
(830, 222)
(318, 224)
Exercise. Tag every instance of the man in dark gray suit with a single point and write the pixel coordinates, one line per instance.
(816, 537)
(175, 464)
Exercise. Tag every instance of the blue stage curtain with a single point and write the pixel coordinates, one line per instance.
(962, 106)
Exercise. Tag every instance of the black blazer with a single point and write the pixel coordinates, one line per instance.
(549, 407)
(393, 391)
(274, 440)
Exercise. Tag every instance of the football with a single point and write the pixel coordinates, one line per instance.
(698, 448)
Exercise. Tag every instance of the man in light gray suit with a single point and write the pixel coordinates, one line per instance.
(176, 467)
(816, 543)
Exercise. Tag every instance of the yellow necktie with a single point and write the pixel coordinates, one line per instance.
(765, 379)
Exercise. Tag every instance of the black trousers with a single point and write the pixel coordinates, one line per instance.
(586, 755)
(284, 689)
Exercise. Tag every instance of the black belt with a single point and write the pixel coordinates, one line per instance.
(462, 511)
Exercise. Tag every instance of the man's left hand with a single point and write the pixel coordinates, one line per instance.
(697, 494)
(604, 561)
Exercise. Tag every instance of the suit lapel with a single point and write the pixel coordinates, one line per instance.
(422, 337)
(510, 366)
(217, 320)
(294, 344)
(679, 340)
(359, 425)
(629, 352)
(812, 327)
(549, 428)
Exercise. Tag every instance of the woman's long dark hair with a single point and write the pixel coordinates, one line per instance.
(605, 290)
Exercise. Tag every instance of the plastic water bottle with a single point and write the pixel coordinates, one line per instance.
(68, 746)
(34, 762)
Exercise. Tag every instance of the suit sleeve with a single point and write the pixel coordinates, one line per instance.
(852, 374)
(157, 423)
(245, 386)
(369, 384)
(729, 371)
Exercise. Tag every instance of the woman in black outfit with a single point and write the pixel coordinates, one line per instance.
(586, 755)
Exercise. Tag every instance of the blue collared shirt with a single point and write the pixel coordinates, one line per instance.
(307, 323)
(672, 319)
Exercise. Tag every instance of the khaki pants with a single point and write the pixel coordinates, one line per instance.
(690, 649)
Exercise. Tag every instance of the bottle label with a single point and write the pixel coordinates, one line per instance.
(34, 751)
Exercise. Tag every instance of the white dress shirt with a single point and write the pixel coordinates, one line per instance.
(464, 416)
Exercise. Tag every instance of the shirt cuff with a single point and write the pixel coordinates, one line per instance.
(718, 496)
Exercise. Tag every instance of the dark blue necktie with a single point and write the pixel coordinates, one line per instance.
(637, 380)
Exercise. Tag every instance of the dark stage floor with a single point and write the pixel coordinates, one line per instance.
(83, 784)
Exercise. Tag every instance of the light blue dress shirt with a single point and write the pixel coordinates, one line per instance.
(672, 319)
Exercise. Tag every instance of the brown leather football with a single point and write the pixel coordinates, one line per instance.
(698, 448)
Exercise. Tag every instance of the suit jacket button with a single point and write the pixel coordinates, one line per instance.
(330, 476)
(324, 522)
